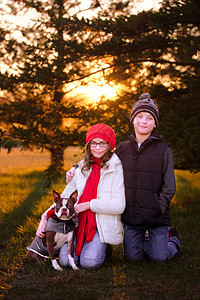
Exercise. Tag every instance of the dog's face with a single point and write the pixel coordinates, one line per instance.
(64, 206)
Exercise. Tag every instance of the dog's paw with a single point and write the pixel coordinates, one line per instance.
(56, 265)
(74, 267)
(72, 263)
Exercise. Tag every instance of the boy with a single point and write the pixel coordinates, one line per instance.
(150, 185)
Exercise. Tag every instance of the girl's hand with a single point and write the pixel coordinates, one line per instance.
(41, 228)
(82, 207)
(70, 174)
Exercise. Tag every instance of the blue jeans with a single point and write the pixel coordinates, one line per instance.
(92, 255)
(158, 248)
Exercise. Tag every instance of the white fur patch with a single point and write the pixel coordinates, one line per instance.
(61, 238)
(72, 263)
(56, 265)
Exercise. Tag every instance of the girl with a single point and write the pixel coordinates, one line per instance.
(101, 199)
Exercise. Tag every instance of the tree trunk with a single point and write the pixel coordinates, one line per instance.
(57, 158)
(55, 170)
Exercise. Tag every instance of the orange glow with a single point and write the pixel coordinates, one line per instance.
(94, 87)
(94, 92)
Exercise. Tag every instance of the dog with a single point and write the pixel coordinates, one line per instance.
(60, 229)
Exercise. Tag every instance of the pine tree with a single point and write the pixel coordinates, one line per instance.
(158, 52)
(153, 51)
(48, 55)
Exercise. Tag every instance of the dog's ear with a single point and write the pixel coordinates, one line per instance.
(74, 196)
(56, 196)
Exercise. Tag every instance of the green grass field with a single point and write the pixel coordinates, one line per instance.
(24, 197)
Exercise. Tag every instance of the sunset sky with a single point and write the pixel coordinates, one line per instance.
(97, 87)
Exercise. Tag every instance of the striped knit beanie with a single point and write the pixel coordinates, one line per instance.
(145, 103)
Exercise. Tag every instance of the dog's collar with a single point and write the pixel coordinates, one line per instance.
(56, 225)
(74, 215)
(51, 214)
(65, 221)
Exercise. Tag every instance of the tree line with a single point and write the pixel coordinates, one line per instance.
(155, 51)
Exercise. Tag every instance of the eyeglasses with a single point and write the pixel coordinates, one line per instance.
(102, 144)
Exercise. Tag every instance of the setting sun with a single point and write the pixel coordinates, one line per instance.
(94, 92)
(94, 87)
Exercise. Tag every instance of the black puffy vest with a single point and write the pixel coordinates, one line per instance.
(143, 181)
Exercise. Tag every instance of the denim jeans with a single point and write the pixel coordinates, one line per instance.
(158, 248)
(92, 255)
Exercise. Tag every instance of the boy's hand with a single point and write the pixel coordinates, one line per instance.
(70, 174)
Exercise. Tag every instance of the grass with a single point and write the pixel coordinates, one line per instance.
(24, 197)
(26, 161)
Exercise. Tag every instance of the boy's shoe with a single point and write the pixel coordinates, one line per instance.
(173, 232)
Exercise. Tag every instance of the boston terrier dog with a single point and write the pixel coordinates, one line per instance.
(60, 229)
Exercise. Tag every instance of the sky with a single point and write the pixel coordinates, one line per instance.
(23, 20)
(95, 91)
(148, 4)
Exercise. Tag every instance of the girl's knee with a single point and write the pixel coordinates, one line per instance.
(63, 256)
(63, 260)
(90, 264)
(92, 259)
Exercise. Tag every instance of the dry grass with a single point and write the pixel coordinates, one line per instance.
(23, 198)
(28, 161)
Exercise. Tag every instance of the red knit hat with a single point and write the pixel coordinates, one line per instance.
(103, 132)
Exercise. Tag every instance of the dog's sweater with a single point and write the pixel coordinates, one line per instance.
(56, 225)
